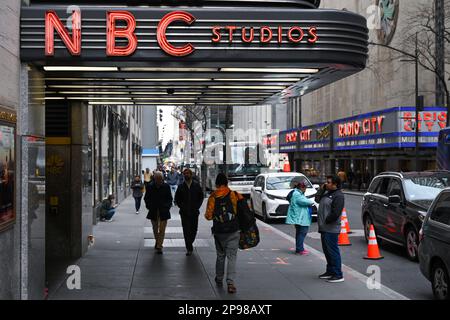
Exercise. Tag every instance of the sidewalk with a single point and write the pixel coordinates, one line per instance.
(122, 264)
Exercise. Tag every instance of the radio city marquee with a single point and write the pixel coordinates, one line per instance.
(390, 128)
(393, 128)
(122, 25)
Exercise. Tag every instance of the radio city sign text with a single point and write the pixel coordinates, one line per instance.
(219, 34)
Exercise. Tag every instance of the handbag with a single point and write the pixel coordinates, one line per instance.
(250, 238)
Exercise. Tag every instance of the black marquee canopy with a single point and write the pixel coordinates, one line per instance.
(199, 53)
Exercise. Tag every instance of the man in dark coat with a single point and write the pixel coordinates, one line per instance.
(158, 200)
(331, 203)
(189, 198)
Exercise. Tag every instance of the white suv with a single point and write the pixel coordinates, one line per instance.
(269, 192)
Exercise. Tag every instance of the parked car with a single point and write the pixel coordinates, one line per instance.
(269, 192)
(434, 248)
(397, 203)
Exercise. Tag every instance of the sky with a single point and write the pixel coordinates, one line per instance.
(168, 124)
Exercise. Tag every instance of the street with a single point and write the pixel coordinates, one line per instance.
(397, 272)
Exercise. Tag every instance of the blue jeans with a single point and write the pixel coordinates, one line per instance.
(300, 235)
(137, 203)
(173, 188)
(332, 253)
(109, 214)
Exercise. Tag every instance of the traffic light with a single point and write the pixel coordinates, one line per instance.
(160, 117)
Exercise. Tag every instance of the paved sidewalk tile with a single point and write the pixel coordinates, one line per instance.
(122, 264)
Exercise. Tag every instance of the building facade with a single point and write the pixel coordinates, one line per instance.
(385, 89)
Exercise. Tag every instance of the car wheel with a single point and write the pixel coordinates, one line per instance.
(412, 244)
(367, 223)
(265, 217)
(440, 281)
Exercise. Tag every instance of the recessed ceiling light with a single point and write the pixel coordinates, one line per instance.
(93, 92)
(248, 87)
(110, 102)
(155, 69)
(79, 68)
(261, 79)
(79, 86)
(169, 79)
(271, 70)
(96, 98)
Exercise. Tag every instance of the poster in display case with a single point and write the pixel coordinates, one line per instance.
(7, 168)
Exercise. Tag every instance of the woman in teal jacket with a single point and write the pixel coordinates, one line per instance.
(299, 214)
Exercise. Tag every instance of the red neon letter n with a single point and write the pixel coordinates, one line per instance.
(52, 22)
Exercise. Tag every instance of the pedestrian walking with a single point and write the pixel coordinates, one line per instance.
(299, 213)
(158, 200)
(108, 209)
(331, 203)
(189, 198)
(222, 209)
(172, 180)
(138, 191)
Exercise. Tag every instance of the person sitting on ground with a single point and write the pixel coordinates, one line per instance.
(108, 209)
(222, 209)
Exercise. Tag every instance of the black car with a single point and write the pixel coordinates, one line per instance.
(397, 203)
(434, 248)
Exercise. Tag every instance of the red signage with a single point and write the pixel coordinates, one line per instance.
(266, 34)
(293, 35)
(427, 119)
(270, 141)
(113, 32)
(367, 126)
(305, 135)
(52, 23)
(291, 137)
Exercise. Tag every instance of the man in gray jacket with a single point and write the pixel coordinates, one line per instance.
(331, 203)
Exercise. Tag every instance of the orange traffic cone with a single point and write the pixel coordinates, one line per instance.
(343, 236)
(373, 253)
(287, 166)
(347, 224)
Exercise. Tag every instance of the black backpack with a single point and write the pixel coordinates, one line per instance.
(224, 219)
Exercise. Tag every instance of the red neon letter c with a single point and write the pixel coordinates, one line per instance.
(162, 38)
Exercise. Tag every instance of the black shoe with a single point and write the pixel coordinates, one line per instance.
(159, 251)
(219, 283)
(189, 253)
(326, 275)
(335, 279)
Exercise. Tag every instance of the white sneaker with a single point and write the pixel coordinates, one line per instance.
(137, 212)
(110, 220)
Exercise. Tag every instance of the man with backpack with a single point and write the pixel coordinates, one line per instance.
(222, 209)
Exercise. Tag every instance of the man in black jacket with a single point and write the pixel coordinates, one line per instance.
(189, 198)
(331, 203)
(158, 200)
